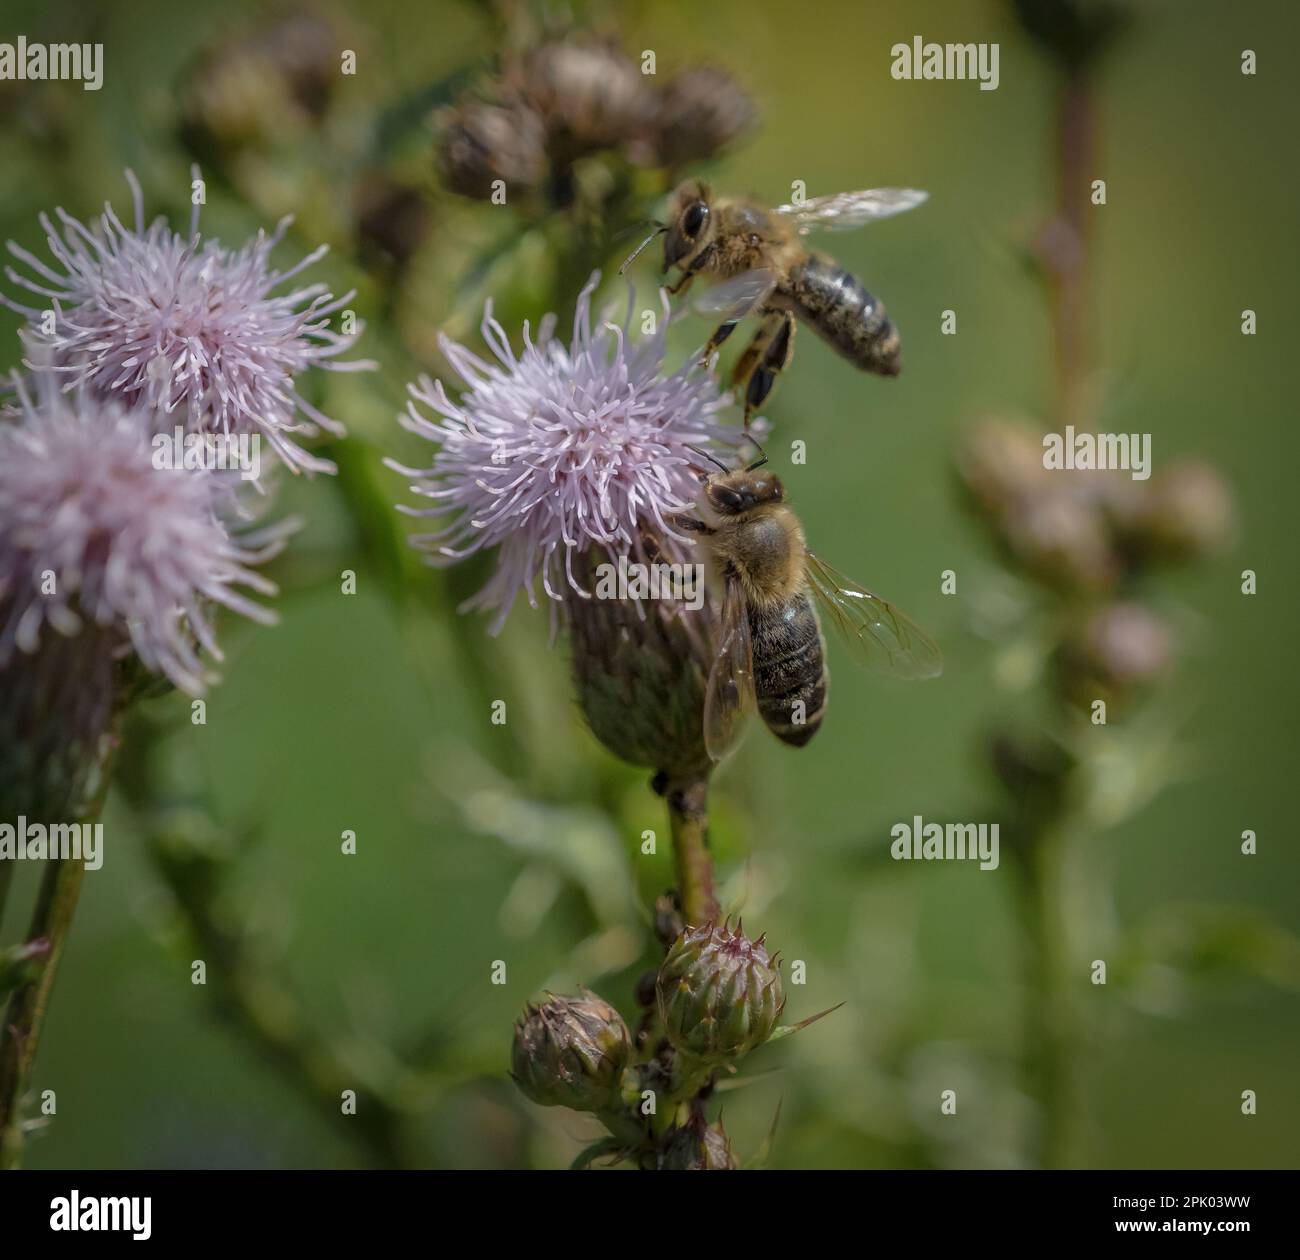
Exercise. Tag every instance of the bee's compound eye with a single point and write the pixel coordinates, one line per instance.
(725, 499)
(693, 219)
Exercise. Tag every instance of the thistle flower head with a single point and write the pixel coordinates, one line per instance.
(559, 449)
(571, 1052)
(719, 994)
(93, 534)
(185, 327)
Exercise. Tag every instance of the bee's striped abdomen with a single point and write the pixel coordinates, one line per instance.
(789, 669)
(835, 303)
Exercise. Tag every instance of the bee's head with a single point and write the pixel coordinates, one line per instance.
(730, 494)
(690, 224)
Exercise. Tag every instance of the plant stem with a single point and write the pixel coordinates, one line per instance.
(1050, 1023)
(1076, 144)
(688, 815)
(51, 922)
(1049, 1013)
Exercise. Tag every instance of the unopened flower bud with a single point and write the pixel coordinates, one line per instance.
(999, 463)
(482, 143)
(1185, 513)
(571, 1052)
(1117, 648)
(1061, 540)
(1051, 522)
(270, 81)
(698, 113)
(719, 993)
(589, 94)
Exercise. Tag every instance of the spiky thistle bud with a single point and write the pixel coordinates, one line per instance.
(589, 94)
(1118, 649)
(698, 1147)
(571, 1052)
(1051, 524)
(1185, 512)
(481, 142)
(719, 994)
(697, 114)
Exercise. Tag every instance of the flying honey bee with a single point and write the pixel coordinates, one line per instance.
(760, 258)
(770, 653)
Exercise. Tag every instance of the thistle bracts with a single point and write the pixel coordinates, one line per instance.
(698, 1147)
(571, 1052)
(719, 994)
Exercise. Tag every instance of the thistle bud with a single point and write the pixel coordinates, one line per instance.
(699, 112)
(571, 1052)
(1118, 648)
(698, 1148)
(271, 81)
(1061, 541)
(640, 669)
(999, 463)
(482, 143)
(1185, 514)
(588, 93)
(1051, 524)
(719, 994)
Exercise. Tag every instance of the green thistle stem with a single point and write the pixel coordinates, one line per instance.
(688, 816)
(1050, 1024)
(51, 922)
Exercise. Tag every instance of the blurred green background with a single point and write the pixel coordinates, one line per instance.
(475, 842)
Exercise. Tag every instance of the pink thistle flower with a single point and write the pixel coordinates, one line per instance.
(151, 317)
(560, 448)
(91, 532)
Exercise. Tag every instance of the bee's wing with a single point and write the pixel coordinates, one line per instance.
(842, 212)
(734, 298)
(875, 632)
(730, 691)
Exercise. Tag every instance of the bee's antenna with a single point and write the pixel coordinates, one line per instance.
(762, 454)
(660, 228)
(713, 459)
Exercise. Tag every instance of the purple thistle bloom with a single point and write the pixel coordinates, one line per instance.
(151, 317)
(92, 532)
(558, 449)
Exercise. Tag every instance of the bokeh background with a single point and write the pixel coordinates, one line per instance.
(477, 842)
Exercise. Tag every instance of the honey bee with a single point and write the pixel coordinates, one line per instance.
(770, 651)
(760, 258)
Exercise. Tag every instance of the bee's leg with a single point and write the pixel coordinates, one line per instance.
(764, 359)
(699, 261)
(692, 524)
(720, 334)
